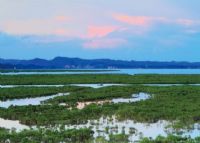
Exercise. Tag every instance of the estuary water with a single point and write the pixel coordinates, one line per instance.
(110, 125)
(105, 126)
(29, 101)
(38, 100)
(135, 130)
(60, 85)
(93, 85)
(117, 71)
(135, 98)
(159, 71)
(11, 124)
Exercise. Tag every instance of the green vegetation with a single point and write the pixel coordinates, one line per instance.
(91, 94)
(180, 103)
(52, 115)
(171, 139)
(118, 138)
(79, 136)
(47, 136)
(97, 78)
(28, 92)
(176, 103)
(57, 136)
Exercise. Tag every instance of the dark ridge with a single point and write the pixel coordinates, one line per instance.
(77, 63)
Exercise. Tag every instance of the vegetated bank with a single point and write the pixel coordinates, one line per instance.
(176, 103)
(98, 78)
(83, 135)
(30, 92)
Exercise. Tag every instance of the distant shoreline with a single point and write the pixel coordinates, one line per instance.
(65, 63)
(54, 70)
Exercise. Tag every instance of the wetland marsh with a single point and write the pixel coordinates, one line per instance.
(114, 108)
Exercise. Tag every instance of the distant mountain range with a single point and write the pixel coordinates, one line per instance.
(77, 63)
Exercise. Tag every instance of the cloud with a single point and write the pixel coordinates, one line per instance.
(61, 32)
(149, 20)
(100, 31)
(141, 25)
(104, 43)
(138, 20)
(48, 26)
(132, 20)
(62, 18)
(47, 39)
(137, 25)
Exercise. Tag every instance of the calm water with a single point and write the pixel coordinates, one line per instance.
(160, 71)
(107, 125)
(98, 85)
(93, 85)
(29, 101)
(11, 124)
(121, 71)
(135, 98)
(81, 85)
(38, 100)
(110, 125)
(60, 72)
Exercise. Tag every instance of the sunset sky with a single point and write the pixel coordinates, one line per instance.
(162, 30)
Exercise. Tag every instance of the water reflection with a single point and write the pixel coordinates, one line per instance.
(97, 85)
(10, 124)
(94, 85)
(81, 85)
(118, 71)
(110, 125)
(135, 98)
(62, 72)
(28, 101)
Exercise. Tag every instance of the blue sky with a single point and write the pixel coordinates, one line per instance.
(162, 30)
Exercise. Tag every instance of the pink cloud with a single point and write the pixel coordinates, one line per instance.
(62, 18)
(133, 20)
(100, 31)
(61, 32)
(104, 43)
(143, 21)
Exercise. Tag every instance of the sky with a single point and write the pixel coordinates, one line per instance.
(155, 30)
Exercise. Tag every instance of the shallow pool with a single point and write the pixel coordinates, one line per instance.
(29, 101)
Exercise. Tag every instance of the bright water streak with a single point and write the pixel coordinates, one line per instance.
(113, 125)
(28, 101)
(119, 71)
(81, 85)
(10, 124)
(135, 98)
